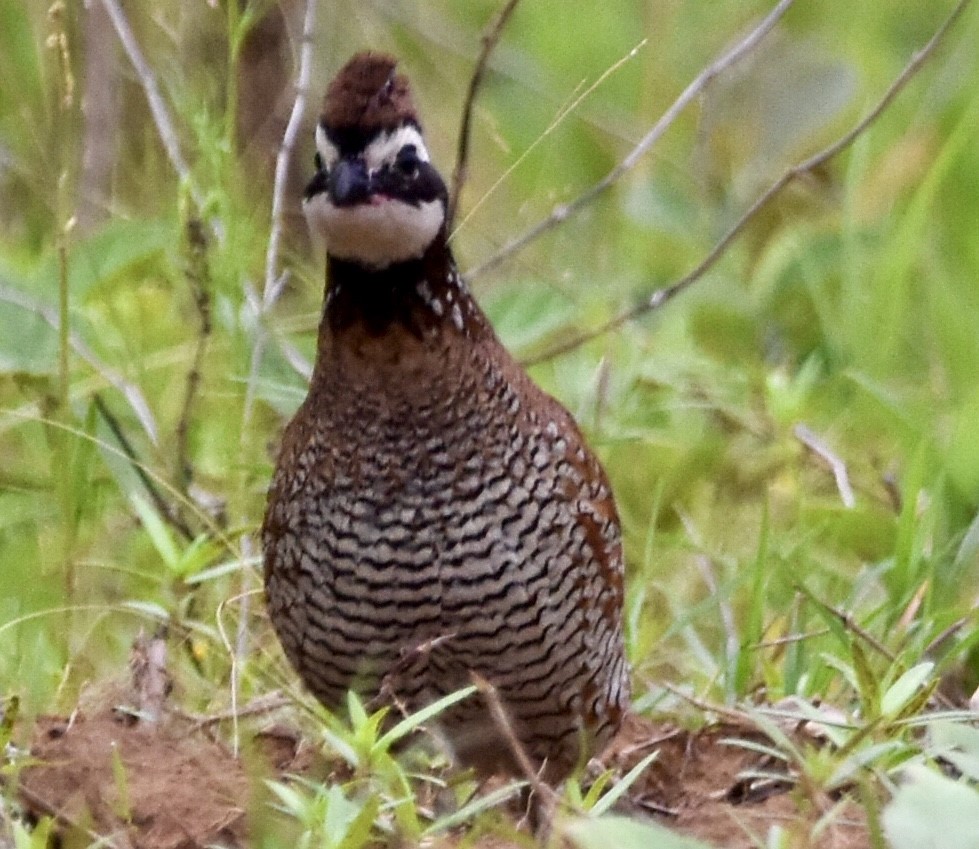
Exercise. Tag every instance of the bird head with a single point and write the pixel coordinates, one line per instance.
(376, 198)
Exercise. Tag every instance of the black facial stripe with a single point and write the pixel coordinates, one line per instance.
(423, 185)
(352, 140)
(317, 185)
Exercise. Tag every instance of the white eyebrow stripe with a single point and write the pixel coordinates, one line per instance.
(327, 150)
(385, 147)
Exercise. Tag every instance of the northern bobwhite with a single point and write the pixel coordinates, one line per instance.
(433, 512)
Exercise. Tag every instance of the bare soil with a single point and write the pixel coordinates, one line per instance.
(164, 783)
(705, 784)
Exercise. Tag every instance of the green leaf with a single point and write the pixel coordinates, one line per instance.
(201, 551)
(28, 341)
(359, 829)
(289, 798)
(116, 254)
(752, 632)
(477, 805)
(861, 758)
(904, 689)
(157, 531)
(410, 723)
(868, 685)
(605, 804)
(341, 745)
(623, 833)
(931, 811)
(958, 743)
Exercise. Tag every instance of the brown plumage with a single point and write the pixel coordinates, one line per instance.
(433, 512)
(368, 95)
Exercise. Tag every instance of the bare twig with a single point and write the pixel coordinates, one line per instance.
(236, 652)
(168, 513)
(258, 706)
(151, 680)
(836, 465)
(501, 720)
(273, 279)
(788, 639)
(198, 275)
(147, 79)
(691, 92)
(459, 174)
(732, 715)
(849, 623)
(244, 629)
(387, 693)
(660, 297)
(951, 631)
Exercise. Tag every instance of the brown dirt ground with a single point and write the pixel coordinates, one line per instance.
(697, 786)
(166, 784)
(109, 775)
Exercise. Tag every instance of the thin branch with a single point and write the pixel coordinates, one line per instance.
(837, 466)
(732, 715)
(147, 79)
(849, 623)
(273, 280)
(162, 505)
(501, 719)
(236, 652)
(562, 212)
(198, 274)
(801, 169)
(398, 675)
(459, 174)
(566, 110)
(258, 706)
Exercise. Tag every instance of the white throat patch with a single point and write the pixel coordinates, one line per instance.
(376, 234)
(386, 230)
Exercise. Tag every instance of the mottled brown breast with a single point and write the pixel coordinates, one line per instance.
(434, 513)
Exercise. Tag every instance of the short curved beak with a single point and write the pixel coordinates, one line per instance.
(348, 182)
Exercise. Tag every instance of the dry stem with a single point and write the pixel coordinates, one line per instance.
(198, 275)
(459, 174)
(836, 464)
(273, 280)
(691, 92)
(501, 720)
(147, 79)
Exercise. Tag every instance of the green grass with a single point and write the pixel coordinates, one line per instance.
(849, 307)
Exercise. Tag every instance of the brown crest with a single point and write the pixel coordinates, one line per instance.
(367, 96)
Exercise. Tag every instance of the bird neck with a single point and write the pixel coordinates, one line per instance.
(423, 296)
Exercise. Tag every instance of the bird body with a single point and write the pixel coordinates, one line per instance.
(433, 512)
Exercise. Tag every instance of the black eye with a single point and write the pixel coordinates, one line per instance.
(407, 161)
(318, 161)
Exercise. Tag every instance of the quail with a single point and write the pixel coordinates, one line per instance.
(433, 513)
